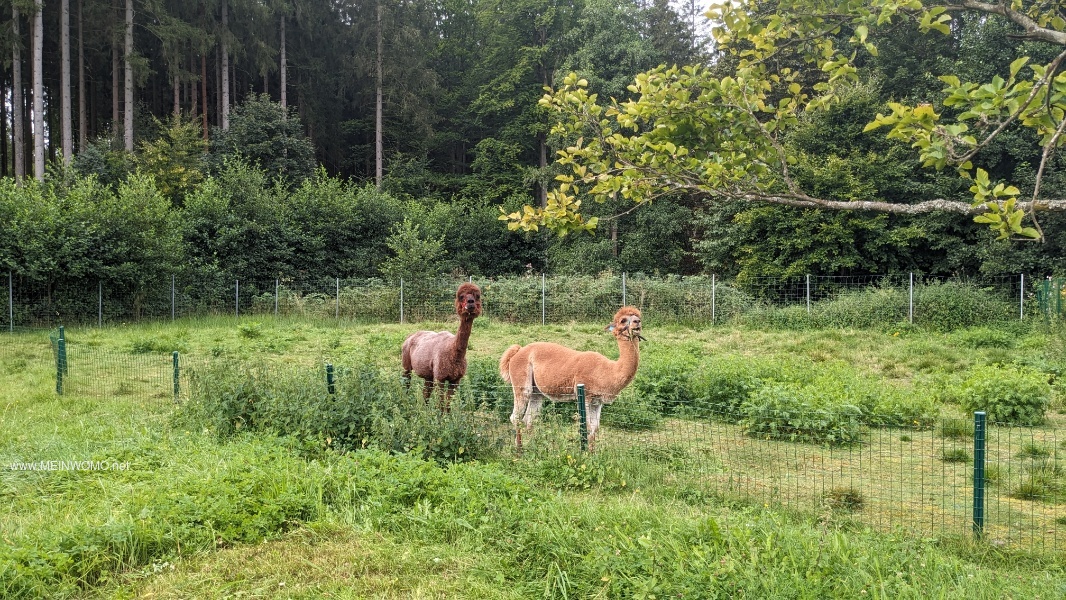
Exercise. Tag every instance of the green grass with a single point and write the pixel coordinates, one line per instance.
(650, 513)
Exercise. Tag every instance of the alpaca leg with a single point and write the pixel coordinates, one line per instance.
(593, 411)
(520, 402)
(427, 389)
(535, 402)
(449, 390)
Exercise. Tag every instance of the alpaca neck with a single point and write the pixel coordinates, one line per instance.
(462, 337)
(628, 359)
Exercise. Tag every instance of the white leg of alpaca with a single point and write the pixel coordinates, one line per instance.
(535, 402)
(519, 410)
(593, 410)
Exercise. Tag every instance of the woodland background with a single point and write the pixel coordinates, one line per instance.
(255, 139)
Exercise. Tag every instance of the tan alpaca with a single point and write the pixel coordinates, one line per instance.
(440, 356)
(546, 370)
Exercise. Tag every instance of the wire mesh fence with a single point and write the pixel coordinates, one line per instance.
(697, 300)
(914, 477)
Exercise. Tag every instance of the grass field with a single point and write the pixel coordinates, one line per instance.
(677, 506)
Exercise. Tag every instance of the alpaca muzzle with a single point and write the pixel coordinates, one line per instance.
(632, 332)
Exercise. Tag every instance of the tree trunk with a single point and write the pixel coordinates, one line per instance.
(38, 90)
(127, 122)
(203, 91)
(177, 97)
(379, 152)
(283, 74)
(27, 116)
(115, 65)
(83, 122)
(3, 129)
(218, 90)
(225, 81)
(190, 93)
(18, 142)
(64, 83)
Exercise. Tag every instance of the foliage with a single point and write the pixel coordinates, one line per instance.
(175, 160)
(1014, 396)
(721, 386)
(366, 410)
(582, 472)
(632, 412)
(800, 414)
(415, 258)
(944, 306)
(101, 159)
(269, 136)
(691, 130)
(954, 455)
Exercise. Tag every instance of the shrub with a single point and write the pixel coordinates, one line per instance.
(950, 305)
(870, 307)
(984, 337)
(367, 409)
(664, 381)
(900, 408)
(791, 413)
(582, 472)
(486, 388)
(1014, 396)
(720, 387)
(632, 412)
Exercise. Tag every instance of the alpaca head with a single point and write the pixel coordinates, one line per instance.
(468, 301)
(626, 324)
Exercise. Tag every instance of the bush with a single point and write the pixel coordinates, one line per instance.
(871, 307)
(664, 381)
(367, 409)
(788, 412)
(953, 305)
(485, 387)
(985, 337)
(720, 387)
(632, 412)
(1013, 396)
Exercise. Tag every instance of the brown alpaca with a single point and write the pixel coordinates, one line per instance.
(440, 356)
(546, 370)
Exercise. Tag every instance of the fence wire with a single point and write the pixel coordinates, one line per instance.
(697, 300)
(916, 479)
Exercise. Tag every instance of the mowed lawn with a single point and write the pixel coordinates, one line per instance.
(684, 507)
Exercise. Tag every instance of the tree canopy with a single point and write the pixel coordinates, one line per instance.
(721, 132)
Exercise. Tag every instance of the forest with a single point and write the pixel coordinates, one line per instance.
(281, 138)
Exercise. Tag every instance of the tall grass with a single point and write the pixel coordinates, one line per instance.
(212, 488)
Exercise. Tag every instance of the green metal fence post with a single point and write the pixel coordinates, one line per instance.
(978, 473)
(329, 379)
(583, 424)
(61, 361)
(177, 377)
